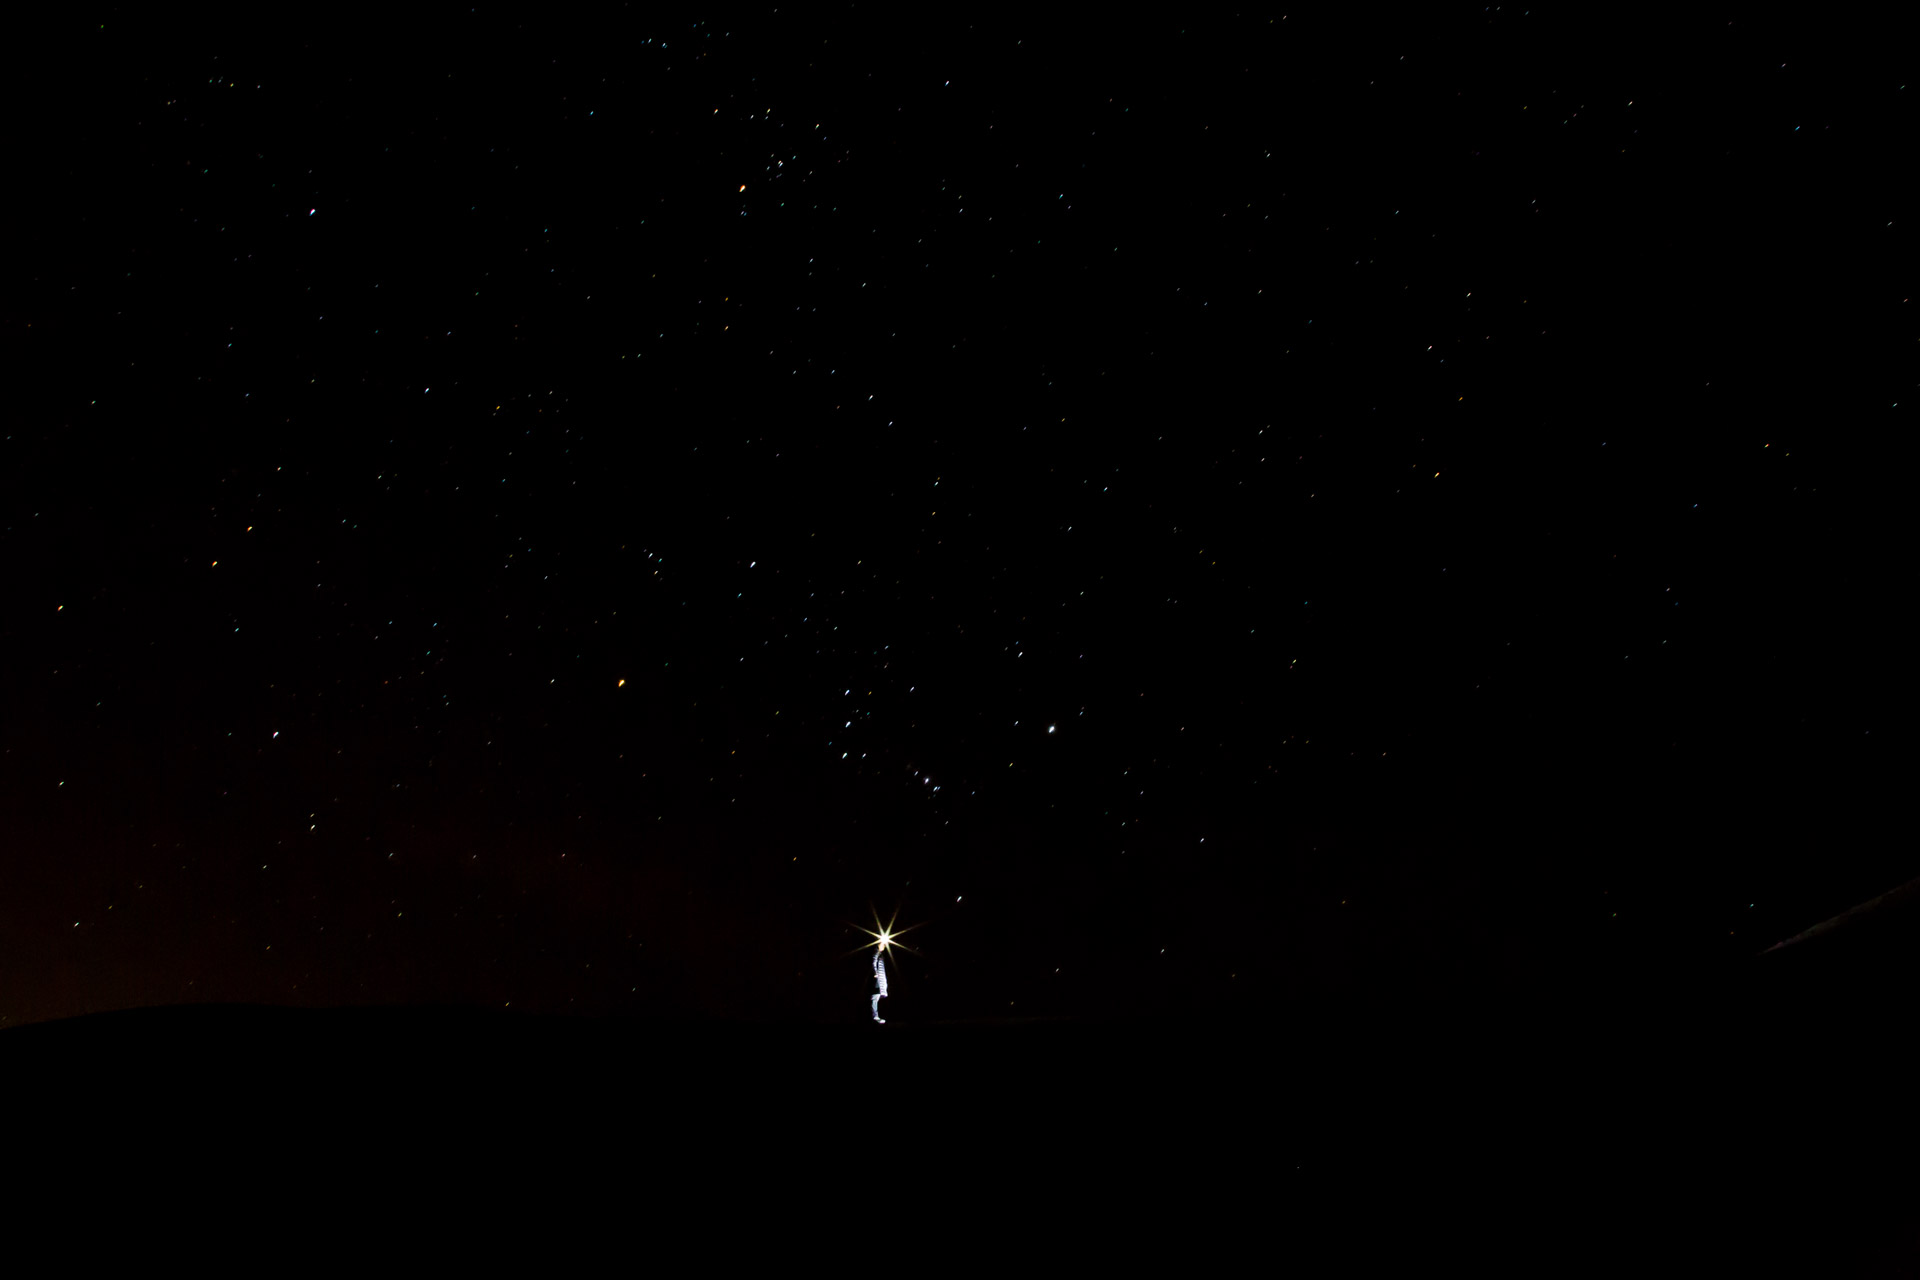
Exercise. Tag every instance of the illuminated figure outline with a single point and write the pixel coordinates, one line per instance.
(879, 988)
(885, 937)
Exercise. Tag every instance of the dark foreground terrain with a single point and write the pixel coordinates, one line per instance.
(1750, 1123)
(1740, 1127)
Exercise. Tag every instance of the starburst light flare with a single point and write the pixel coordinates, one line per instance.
(886, 936)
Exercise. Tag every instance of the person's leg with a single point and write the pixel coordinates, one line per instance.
(876, 1008)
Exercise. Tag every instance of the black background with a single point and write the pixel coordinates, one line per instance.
(1340, 507)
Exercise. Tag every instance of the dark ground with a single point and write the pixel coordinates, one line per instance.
(1750, 1126)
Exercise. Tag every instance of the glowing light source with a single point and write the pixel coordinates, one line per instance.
(884, 937)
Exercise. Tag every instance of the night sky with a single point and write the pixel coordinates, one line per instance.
(577, 514)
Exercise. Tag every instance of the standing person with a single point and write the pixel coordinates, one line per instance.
(879, 985)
